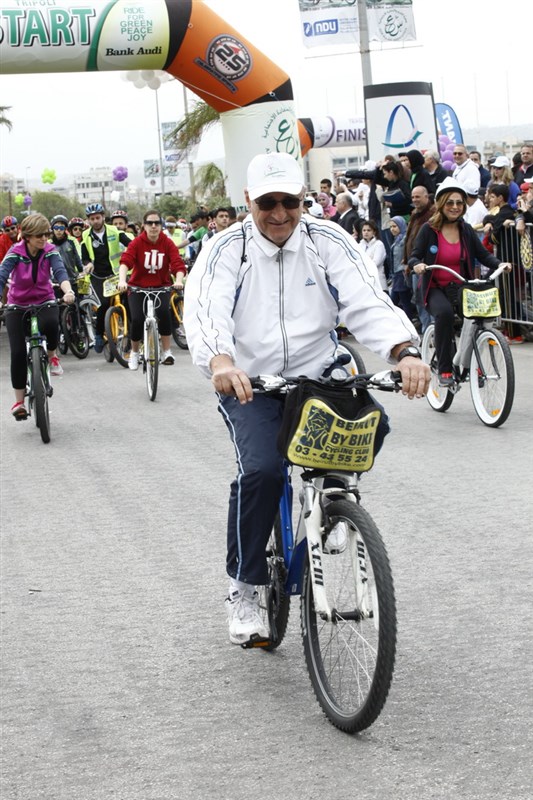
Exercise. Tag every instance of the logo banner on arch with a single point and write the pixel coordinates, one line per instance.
(399, 117)
(331, 22)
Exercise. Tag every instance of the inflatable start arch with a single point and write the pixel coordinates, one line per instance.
(185, 38)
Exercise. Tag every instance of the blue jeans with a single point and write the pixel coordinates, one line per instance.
(423, 315)
(257, 489)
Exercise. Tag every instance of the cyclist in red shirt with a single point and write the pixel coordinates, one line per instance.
(154, 261)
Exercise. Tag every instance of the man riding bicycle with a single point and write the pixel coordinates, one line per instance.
(101, 248)
(264, 298)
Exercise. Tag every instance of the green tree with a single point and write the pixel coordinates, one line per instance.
(209, 181)
(47, 203)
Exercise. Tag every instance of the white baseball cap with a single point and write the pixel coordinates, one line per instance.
(274, 172)
(316, 210)
(501, 161)
(471, 189)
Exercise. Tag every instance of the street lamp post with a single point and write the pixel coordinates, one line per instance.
(161, 162)
(191, 165)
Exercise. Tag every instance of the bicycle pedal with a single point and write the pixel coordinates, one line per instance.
(256, 641)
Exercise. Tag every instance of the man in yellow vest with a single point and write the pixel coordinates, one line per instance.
(101, 246)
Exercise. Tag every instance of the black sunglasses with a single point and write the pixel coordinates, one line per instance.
(11, 228)
(153, 222)
(269, 203)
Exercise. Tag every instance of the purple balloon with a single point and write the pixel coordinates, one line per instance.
(444, 140)
(27, 200)
(448, 165)
(120, 173)
(448, 155)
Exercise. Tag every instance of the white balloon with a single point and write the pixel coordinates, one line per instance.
(147, 74)
(155, 83)
(139, 83)
(131, 75)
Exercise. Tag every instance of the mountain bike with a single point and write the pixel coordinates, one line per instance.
(150, 347)
(176, 314)
(116, 324)
(347, 606)
(482, 357)
(38, 388)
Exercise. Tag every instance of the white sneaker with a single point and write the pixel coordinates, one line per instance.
(244, 618)
(55, 366)
(167, 357)
(133, 362)
(337, 539)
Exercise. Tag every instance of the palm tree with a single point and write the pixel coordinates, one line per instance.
(3, 119)
(209, 180)
(189, 131)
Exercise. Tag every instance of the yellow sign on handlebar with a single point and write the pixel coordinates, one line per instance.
(110, 286)
(485, 303)
(84, 284)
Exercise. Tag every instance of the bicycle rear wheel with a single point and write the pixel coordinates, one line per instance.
(492, 378)
(274, 602)
(116, 327)
(151, 358)
(438, 397)
(39, 365)
(351, 659)
(75, 330)
(356, 365)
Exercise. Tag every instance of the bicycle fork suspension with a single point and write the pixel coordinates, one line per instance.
(364, 607)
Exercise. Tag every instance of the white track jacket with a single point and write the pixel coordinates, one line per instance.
(274, 310)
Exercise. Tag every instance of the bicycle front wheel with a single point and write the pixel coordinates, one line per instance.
(356, 366)
(438, 397)
(151, 358)
(116, 327)
(76, 333)
(350, 659)
(492, 378)
(274, 601)
(39, 365)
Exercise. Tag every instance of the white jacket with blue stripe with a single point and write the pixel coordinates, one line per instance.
(274, 310)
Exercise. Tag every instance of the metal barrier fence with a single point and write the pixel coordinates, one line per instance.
(516, 287)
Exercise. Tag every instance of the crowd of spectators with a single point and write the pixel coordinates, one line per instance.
(384, 205)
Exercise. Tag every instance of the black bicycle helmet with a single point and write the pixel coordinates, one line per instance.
(59, 218)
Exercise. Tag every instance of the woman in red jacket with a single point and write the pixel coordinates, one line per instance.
(154, 261)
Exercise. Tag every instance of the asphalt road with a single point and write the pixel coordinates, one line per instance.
(118, 680)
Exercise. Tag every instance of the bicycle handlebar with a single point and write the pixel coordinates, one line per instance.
(31, 307)
(150, 290)
(496, 274)
(386, 381)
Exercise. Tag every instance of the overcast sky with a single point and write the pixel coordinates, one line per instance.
(71, 122)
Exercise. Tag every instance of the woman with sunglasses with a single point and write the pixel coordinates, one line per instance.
(154, 261)
(30, 266)
(446, 239)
